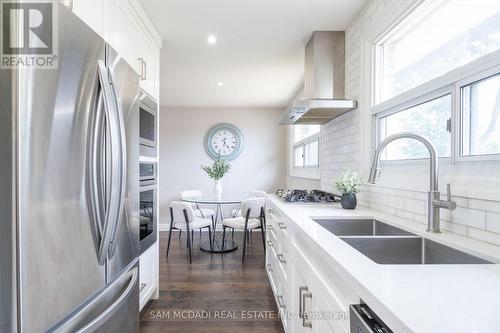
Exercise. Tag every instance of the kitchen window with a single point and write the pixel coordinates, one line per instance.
(436, 37)
(481, 117)
(437, 74)
(430, 119)
(306, 146)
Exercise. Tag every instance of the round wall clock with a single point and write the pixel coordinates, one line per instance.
(224, 139)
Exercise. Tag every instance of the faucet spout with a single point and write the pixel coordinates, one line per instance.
(434, 202)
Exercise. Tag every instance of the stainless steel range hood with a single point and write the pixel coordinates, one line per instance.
(322, 98)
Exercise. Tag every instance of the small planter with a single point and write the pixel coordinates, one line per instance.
(348, 201)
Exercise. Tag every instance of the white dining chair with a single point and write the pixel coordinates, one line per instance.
(253, 211)
(200, 212)
(183, 217)
(253, 194)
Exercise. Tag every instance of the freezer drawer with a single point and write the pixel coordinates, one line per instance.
(114, 309)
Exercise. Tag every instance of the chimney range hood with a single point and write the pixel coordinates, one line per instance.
(322, 98)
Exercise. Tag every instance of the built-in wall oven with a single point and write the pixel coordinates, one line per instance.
(148, 136)
(148, 221)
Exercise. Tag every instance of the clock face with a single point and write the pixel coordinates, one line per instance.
(224, 140)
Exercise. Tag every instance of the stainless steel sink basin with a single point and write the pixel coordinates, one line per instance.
(389, 245)
(410, 251)
(360, 227)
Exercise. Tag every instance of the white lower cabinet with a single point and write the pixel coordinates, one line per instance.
(311, 297)
(148, 274)
(316, 307)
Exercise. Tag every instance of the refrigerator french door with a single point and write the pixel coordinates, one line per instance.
(69, 189)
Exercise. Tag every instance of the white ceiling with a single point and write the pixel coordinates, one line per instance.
(259, 54)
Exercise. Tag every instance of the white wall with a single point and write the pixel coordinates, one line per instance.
(261, 165)
(348, 144)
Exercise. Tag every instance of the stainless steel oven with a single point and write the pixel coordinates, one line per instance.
(148, 136)
(147, 173)
(148, 205)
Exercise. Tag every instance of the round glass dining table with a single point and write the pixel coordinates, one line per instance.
(218, 202)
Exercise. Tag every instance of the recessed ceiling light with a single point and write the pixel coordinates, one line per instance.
(220, 84)
(211, 39)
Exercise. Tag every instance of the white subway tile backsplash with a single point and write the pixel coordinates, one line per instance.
(396, 202)
(404, 214)
(484, 236)
(420, 195)
(453, 227)
(469, 217)
(487, 205)
(493, 222)
(415, 206)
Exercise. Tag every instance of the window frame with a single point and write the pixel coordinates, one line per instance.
(447, 90)
(450, 82)
(303, 143)
(302, 172)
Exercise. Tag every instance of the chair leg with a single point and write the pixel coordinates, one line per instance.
(169, 237)
(232, 234)
(170, 231)
(245, 236)
(200, 233)
(223, 238)
(210, 238)
(180, 232)
(188, 235)
(244, 245)
(263, 235)
(192, 236)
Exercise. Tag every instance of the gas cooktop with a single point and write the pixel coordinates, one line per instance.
(307, 197)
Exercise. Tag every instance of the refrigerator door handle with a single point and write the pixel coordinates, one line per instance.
(74, 324)
(112, 210)
(94, 171)
(123, 166)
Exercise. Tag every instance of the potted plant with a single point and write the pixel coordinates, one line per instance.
(348, 185)
(216, 171)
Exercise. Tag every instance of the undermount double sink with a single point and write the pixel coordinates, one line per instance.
(389, 245)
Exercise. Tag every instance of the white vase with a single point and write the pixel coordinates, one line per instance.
(218, 189)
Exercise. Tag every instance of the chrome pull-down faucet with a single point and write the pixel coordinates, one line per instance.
(434, 203)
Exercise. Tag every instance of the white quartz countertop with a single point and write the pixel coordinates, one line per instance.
(412, 298)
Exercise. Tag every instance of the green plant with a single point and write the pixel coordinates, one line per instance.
(218, 169)
(349, 182)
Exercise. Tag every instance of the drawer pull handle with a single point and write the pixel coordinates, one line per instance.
(269, 243)
(282, 225)
(306, 320)
(281, 258)
(302, 290)
(281, 303)
(270, 268)
(270, 227)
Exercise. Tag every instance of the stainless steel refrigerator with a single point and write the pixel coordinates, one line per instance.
(69, 196)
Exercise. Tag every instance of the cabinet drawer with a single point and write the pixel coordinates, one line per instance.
(281, 261)
(147, 274)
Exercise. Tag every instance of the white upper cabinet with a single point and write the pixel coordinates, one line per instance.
(91, 12)
(126, 33)
(149, 61)
(135, 38)
(125, 25)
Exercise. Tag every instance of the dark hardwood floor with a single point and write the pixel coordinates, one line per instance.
(213, 294)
